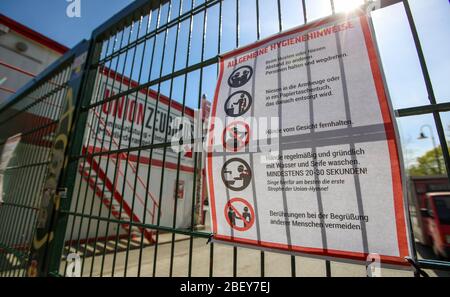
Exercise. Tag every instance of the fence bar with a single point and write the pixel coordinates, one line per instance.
(115, 76)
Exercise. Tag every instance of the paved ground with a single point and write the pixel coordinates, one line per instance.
(248, 262)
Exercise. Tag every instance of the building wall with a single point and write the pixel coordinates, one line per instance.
(37, 54)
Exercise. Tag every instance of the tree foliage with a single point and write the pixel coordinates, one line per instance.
(428, 164)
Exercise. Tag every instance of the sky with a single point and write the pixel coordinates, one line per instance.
(49, 17)
(398, 56)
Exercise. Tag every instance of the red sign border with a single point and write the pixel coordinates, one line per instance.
(392, 146)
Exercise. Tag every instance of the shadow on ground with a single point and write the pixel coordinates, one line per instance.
(426, 252)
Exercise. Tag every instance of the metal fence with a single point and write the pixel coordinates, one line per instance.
(33, 114)
(125, 202)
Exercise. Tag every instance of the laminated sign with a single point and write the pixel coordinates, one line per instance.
(302, 154)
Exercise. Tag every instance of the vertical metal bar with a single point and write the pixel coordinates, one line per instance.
(102, 71)
(196, 154)
(191, 238)
(138, 162)
(44, 233)
(258, 24)
(327, 262)
(431, 98)
(118, 160)
(237, 45)
(38, 139)
(328, 268)
(94, 193)
(305, 18)
(14, 230)
(237, 23)
(333, 10)
(18, 190)
(219, 44)
(128, 154)
(95, 184)
(12, 226)
(429, 86)
(150, 161)
(262, 263)
(161, 189)
(175, 207)
(34, 137)
(293, 268)
(211, 260)
(34, 159)
(111, 157)
(145, 112)
(55, 115)
(82, 173)
(280, 25)
(153, 132)
(235, 259)
(81, 141)
(75, 86)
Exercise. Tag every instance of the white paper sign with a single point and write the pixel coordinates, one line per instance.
(7, 154)
(303, 156)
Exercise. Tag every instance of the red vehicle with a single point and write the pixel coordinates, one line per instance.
(430, 212)
(436, 220)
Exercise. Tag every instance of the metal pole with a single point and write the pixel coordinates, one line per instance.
(435, 147)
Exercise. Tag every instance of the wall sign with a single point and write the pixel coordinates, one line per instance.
(322, 176)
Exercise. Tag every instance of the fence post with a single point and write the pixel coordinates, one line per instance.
(44, 235)
(75, 144)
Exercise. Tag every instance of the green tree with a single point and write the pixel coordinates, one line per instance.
(428, 164)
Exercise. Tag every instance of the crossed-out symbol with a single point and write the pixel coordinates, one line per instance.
(236, 136)
(233, 214)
